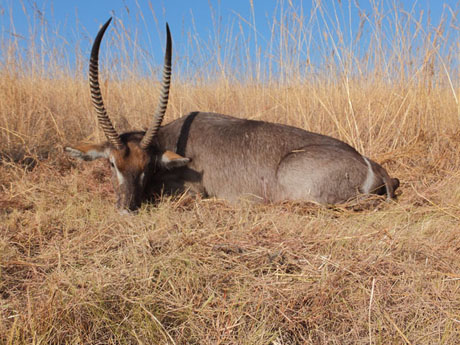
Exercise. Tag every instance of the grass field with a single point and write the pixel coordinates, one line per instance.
(201, 271)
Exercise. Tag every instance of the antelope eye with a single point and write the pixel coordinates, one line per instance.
(111, 164)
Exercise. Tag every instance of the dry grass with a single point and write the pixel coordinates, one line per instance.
(192, 271)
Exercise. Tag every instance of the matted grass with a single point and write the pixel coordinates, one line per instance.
(202, 271)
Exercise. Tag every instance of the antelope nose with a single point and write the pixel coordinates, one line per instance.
(123, 211)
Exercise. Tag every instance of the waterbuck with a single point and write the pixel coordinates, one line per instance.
(227, 157)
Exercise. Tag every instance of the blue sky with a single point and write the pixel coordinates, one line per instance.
(201, 26)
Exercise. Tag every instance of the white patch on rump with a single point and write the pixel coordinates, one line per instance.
(368, 184)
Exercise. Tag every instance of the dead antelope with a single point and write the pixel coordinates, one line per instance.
(226, 157)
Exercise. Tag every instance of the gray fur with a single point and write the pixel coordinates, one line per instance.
(234, 158)
(226, 157)
(230, 158)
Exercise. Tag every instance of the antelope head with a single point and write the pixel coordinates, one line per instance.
(135, 157)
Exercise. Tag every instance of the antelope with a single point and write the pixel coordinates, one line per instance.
(230, 158)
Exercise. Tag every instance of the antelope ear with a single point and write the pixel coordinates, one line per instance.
(87, 152)
(171, 160)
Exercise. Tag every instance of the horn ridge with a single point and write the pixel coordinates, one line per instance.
(96, 96)
(164, 95)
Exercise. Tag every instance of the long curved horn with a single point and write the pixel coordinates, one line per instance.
(164, 95)
(96, 96)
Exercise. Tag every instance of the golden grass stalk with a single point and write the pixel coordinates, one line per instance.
(192, 271)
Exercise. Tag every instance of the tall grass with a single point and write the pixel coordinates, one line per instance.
(192, 271)
(318, 71)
